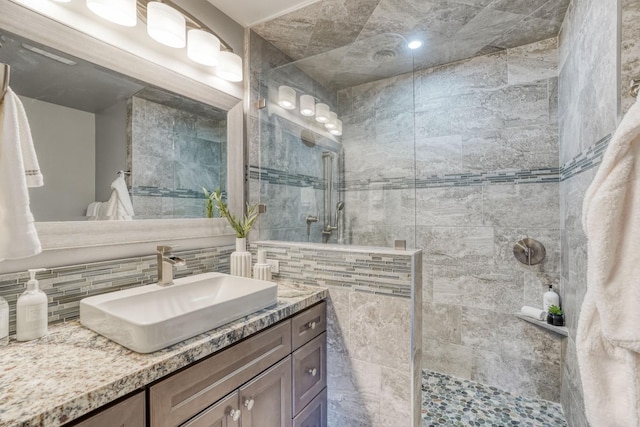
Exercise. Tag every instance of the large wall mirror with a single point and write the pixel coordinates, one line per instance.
(96, 109)
(88, 123)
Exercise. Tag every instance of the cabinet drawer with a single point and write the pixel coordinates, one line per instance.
(221, 414)
(309, 372)
(128, 413)
(183, 395)
(308, 325)
(315, 414)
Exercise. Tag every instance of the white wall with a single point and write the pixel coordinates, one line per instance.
(64, 140)
(111, 147)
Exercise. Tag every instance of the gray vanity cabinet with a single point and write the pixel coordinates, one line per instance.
(309, 371)
(127, 413)
(266, 401)
(315, 414)
(225, 413)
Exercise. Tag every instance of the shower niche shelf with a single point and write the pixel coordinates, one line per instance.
(560, 330)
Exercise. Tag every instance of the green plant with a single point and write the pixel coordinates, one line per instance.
(555, 310)
(241, 226)
(208, 204)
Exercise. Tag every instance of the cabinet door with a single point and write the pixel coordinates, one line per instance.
(309, 371)
(266, 401)
(128, 413)
(315, 414)
(176, 399)
(308, 325)
(223, 414)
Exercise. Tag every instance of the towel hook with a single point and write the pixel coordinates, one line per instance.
(123, 173)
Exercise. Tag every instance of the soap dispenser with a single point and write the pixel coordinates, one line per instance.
(31, 311)
(550, 298)
(262, 270)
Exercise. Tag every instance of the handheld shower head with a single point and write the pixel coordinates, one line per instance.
(339, 207)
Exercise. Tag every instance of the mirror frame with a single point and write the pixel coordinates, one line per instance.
(56, 236)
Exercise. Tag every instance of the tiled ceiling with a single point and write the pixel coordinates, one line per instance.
(349, 42)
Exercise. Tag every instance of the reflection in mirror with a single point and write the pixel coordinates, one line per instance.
(88, 123)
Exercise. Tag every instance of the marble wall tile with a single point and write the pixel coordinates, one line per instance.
(535, 378)
(380, 330)
(498, 290)
(630, 50)
(450, 359)
(395, 398)
(442, 322)
(436, 155)
(482, 72)
(526, 147)
(515, 339)
(532, 62)
(460, 207)
(538, 205)
(456, 246)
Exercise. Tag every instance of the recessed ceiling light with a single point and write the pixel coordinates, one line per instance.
(414, 44)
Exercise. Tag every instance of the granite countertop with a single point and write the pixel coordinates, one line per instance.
(73, 370)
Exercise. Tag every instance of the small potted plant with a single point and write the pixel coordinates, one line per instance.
(241, 258)
(555, 316)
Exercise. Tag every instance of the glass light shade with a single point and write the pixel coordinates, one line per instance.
(307, 105)
(333, 118)
(203, 47)
(337, 131)
(230, 67)
(286, 97)
(121, 12)
(322, 113)
(166, 25)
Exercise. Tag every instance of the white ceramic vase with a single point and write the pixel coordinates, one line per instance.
(241, 259)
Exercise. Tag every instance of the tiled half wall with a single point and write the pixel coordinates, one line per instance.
(374, 327)
(66, 286)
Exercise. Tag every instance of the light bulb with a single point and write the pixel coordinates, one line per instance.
(230, 67)
(203, 47)
(414, 44)
(166, 25)
(286, 97)
(337, 131)
(307, 105)
(333, 118)
(322, 113)
(121, 12)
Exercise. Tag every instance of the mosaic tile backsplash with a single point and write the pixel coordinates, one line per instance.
(381, 274)
(66, 286)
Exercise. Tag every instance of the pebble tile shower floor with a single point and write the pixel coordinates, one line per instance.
(449, 401)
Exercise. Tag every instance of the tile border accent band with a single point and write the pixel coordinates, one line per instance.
(584, 161)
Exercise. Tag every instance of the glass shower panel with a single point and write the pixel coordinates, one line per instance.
(357, 187)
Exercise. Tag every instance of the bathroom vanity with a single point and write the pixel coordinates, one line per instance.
(266, 369)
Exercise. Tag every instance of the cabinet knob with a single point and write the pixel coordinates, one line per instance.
(312, 325)
(249, 404)
(313, 372)
(235, 414)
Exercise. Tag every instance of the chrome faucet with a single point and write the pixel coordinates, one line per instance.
(166, 261)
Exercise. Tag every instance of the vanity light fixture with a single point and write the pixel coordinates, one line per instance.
(166, 25)
(337, 131)
(322, 113)
(121, 12)
(307, 105)
(203, 47)
(230, 67)
(286, 97)
(62, 1)
(333, 119)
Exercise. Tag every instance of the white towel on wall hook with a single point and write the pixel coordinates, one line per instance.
(19, 170)
(608, 338)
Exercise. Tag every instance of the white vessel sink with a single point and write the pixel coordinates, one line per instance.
(152, 317)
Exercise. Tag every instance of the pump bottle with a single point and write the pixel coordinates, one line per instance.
(31, 311)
